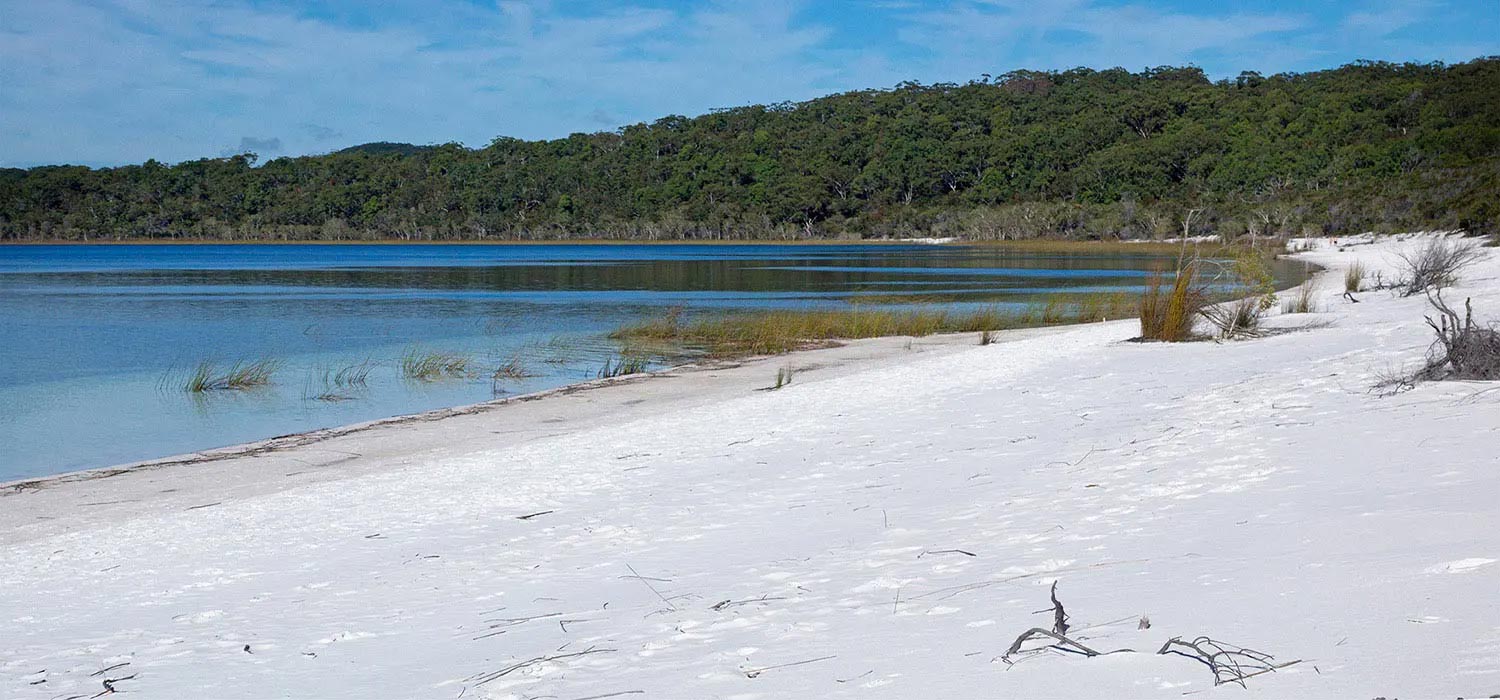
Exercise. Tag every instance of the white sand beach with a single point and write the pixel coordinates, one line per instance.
(883, 527)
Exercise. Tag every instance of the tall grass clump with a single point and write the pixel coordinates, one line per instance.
(1354, 277)
(1167, 312)
(207, 377)
(1301, 301)
(428, 366)
(775, 332)
(621, 366)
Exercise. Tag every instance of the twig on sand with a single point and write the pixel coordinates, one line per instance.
(109, 685)
(966, 553)
(103, 671)
(534, 515)
(643, 580)
(723, 604)
(612, 695)
(1229, 663)
(483, 678)
(752, 673)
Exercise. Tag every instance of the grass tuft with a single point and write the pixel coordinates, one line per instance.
(1354, 277)
(343, 384)
(1301, 301)
(621, 366)
(1167, 313)
(783, 377)
(429, 366)
(206, 377)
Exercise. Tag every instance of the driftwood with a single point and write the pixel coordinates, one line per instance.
(1058, 633)
(1229, 663)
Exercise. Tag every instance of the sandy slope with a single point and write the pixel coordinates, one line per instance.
(1255, 491)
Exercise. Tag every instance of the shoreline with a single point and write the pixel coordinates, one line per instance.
(709, 381)
(309, 437)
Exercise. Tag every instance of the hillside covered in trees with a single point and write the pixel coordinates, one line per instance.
(1079, 153)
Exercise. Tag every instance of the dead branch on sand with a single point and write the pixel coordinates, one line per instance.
(1229, 663)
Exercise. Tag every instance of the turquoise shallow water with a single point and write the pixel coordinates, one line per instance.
(96, 338)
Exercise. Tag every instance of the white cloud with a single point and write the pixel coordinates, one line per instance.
(109, 81)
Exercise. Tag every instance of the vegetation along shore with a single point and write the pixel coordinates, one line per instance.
(1079, 153)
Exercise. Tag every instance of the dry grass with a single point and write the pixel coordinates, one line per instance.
(775, 332)
(1205, 249)
(237, 377)
(1301, 301)
(1167, 313)
(1354, 277)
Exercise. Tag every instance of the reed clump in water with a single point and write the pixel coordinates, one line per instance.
(207, 377)
(622, 365)
(343, 384)
(430, 366)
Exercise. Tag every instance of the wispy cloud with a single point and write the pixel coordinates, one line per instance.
(110, 81)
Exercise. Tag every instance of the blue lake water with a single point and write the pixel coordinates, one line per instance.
(96, 338)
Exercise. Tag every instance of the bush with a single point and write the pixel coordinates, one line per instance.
(1463, 349)
(1435, 265)
(1167, 313)
(1236, 319)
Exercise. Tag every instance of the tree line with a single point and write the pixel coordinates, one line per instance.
(1079, 153)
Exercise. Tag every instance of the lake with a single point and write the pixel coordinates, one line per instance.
(98, 339)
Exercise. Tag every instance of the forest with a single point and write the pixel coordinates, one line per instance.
(1080, 154)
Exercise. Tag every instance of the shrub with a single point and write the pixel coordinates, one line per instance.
(1236, 319)
(1435, 264)
(1463, 349)
(1167, 313)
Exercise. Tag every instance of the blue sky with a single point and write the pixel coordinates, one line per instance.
(104, 82)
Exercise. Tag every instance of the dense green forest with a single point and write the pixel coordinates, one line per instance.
(1079, 153)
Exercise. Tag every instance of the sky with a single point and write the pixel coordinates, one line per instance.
(108, 82)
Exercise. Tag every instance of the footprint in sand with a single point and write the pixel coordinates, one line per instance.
(1461, 566)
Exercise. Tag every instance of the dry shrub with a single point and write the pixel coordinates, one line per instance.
(1168, 312)
(1236, 319)
(1436, 264)
(1463, 349)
